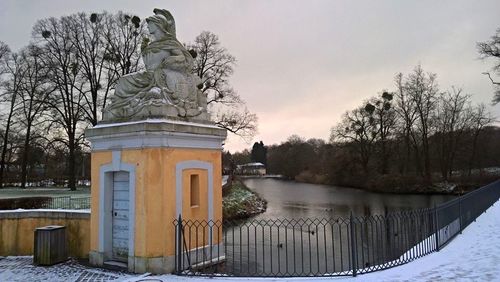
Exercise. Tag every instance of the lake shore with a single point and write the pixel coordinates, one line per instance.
(239, 202)
(400, 184)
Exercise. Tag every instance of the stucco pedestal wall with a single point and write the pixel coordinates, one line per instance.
(17, 229)
(160, 156)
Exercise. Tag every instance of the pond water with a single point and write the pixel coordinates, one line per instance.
(301, 234)
(289, 199)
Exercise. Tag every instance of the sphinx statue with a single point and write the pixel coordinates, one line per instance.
(167, 88)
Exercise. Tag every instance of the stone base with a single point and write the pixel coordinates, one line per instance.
(96, 258)
(155, 265)
(203, 256)
(158, 265)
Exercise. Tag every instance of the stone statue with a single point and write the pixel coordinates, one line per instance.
(167, 88)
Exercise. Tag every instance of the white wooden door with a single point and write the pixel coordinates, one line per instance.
(120, 215)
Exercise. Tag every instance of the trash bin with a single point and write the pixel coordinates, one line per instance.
(50, 245)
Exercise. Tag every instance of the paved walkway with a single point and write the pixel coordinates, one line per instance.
(22, 269)
(472, 256)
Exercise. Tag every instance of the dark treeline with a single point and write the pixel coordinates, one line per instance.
(413, 138)
(55, 87)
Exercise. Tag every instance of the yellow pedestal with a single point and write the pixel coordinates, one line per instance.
(172, 168)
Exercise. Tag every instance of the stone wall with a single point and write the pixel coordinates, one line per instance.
(17, 230)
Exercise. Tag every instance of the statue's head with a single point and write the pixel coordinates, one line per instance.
(161, 22)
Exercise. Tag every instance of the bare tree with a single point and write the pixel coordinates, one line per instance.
(407, 115)
(107, 47)
(453, 117)
(4, 51)
(13, 73)
(480, 119)
(215, 65)
(124, 36)
(35, 90)
(491, 49)
(423, 90)
(242, 123)
(359, 128)
(65, 103)
(85, 36)
(382, 110)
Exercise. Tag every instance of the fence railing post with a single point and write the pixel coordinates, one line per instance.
(460, 212)
(353, 245)
(436, 228)
(179, 245)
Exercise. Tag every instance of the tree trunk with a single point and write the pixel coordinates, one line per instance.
(4, 152)
(385, 157)
(71, 164)
(427, 165)
(427, 161)
(406, 168)
(24, 165)
(6, 139)
(443, 156)
(473, 154)
(418, 161)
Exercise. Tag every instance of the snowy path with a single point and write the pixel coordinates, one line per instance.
(472, 256)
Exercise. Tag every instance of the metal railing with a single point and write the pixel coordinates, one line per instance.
(323, 247)
(67, 202)
(63, 202)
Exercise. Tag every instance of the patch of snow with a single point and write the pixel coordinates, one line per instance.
(445, 186)
(252, 164)
(46, 210)
(21, 269)
(154, 121)
(225, 178)
(493, 170)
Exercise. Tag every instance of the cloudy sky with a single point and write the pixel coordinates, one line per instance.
(301, 64)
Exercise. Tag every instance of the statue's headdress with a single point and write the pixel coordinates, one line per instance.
(164, 20)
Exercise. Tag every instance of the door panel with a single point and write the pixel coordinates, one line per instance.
(120, 234)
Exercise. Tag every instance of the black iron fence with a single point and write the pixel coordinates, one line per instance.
(64, 202)
(68, 202)
(324, 247)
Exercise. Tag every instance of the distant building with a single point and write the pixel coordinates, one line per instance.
(251, 169)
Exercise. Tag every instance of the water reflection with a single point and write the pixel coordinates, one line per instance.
(288, 199)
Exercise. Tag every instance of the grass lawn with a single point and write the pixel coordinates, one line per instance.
(11, 192)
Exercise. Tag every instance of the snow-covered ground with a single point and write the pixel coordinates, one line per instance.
(86, 211)
(225, 178)
(472, 256)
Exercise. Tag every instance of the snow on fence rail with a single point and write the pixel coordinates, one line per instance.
(324, 247)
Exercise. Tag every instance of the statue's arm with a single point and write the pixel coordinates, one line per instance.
(176, 56)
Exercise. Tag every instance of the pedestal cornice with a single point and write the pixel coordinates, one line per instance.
(154, 133)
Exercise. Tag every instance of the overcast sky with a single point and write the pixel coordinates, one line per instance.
(302, 64)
